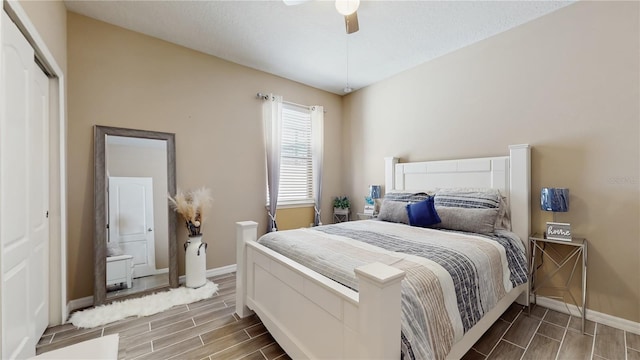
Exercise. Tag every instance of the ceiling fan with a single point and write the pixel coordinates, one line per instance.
(345, 7)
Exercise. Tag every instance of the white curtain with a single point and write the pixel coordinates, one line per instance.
(317, 133)
(272, 122)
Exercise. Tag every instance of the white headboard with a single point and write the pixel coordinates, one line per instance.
(510, 174)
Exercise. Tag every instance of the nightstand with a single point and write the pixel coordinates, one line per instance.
(363, 216)
(546, 248)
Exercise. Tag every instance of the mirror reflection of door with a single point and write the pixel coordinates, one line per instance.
(137, 214)
(131, 222)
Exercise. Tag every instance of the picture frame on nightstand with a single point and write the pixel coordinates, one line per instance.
(558, 231)
(369, 209)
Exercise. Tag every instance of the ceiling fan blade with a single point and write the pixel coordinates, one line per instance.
(294, 2)
(351, 23)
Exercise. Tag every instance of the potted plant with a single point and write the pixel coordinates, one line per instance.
(341, 205)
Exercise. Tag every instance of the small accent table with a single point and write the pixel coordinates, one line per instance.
(340, 215)
(579, 247)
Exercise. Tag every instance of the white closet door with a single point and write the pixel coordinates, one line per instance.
(39, 201)
(24, 193)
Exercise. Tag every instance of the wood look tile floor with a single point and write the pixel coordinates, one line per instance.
(209, 329)
(548, 334)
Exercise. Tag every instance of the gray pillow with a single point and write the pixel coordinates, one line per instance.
(394, 211)
(503, 220)
(407, 197)
(477, 198)
(480, 221)
(468, 198)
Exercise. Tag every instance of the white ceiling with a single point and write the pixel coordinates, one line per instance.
(307, 43)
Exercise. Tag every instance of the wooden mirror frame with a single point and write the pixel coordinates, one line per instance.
(99, 198)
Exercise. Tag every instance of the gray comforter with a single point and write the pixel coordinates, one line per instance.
(452, 278)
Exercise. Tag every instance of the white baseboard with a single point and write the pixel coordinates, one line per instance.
(602, 318)
(214, 272)
(79, 304)
(88, 301)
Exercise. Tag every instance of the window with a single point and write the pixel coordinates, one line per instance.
(296, 174)
(296, 181)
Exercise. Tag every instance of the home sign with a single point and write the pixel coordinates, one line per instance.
(559, 231)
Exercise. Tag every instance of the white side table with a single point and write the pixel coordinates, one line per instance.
(547, 250)
(340, 215)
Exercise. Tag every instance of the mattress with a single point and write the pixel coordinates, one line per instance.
(452, 278)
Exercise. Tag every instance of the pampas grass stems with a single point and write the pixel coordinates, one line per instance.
(191, 205)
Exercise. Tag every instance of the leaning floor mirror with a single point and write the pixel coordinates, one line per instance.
(134, 228)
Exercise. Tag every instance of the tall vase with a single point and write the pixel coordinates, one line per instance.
(195, 262)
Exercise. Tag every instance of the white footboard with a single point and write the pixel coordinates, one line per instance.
(311, 316)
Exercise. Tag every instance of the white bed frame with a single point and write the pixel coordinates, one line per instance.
(313, 317)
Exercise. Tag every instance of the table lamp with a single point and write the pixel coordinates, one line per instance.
(556, 200)
(370, 207)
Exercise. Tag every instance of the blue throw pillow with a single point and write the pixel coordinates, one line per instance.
(423, 213)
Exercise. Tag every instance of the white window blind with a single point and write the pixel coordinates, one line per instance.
(296, 175)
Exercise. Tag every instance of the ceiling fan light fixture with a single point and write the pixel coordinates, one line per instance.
(347, 7)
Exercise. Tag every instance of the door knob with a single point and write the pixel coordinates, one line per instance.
(149, 229)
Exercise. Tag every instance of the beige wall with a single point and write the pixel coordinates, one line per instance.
(140, 161)
(568, 84)
(126, 79)
(50, 21)
(295, 218)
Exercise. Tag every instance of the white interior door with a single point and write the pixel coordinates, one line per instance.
(39, 201)
(131, 221)
(24, 195)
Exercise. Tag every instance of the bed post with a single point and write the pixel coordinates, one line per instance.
(379, 310)
(520, 190)
(390, 173)
(520, 196)
(245, 231)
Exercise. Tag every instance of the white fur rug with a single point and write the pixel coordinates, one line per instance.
(143, 306)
